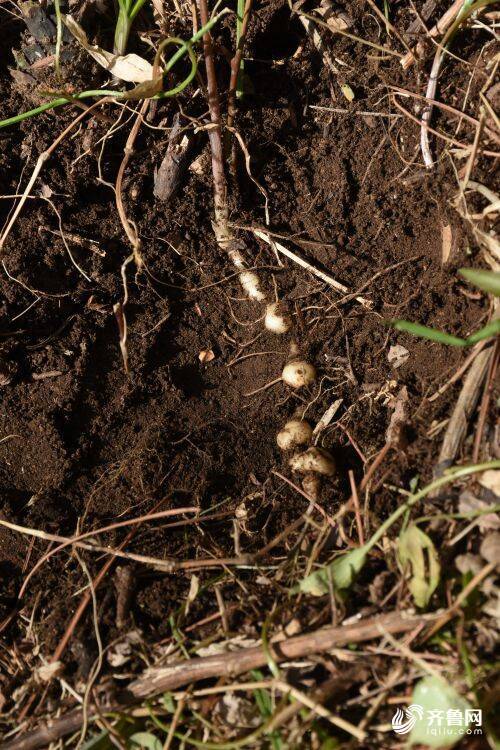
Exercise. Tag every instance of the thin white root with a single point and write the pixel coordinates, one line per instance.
(312, 269)
(427, 113)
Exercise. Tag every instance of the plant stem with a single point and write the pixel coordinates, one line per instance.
(122, 31)
(235, 90)
(60, 101)
(126, 14)
(467, 10)
(456, 473)
(214, 135)
(223, 235)
(57, 8)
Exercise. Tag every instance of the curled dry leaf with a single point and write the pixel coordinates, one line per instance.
(398, 355)
(206, 355)
(121, 652)
(47, 672)
(145, 90)
(468, 563)
(399, 418)
(447, 243)
(468, 503)
(490, 480)
(490, 548)
(130, 68)
(237, 712)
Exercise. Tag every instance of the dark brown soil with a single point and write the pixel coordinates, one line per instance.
(87, 445)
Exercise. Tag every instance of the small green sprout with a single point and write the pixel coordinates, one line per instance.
(128, 10)
(487, 281)
(149, 90)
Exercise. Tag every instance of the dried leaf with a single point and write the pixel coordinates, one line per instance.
(398, 355)
(337, 23)
(399, 418)
(205, 356)
(47, 672)
(145, 90)
(198, 165)
(417, 552)
(490, 480)
(130, 68)
(490, 548)
(446, 243)
(468, 503)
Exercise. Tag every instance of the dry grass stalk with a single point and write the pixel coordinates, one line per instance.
(229, 665)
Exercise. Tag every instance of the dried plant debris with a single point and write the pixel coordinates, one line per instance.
(249, 358)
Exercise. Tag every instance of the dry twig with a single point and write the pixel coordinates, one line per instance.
(162, 679)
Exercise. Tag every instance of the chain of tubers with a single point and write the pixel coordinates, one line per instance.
(312, 463)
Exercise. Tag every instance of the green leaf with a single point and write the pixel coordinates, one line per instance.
(168, 702)
(145, 740)
(433, 694)
(417, 553)
(99, 741)
(488, 281)
(124, 727)
(492, 329)
(341, 573)
(428, 333)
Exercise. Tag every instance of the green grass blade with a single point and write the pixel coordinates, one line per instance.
(428, 333)
(488, 281)
(492, 329)
(239, 23)
(343, 570)
(60, 101)
(136, 8)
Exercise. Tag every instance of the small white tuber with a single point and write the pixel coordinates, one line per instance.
(277, 318)
(298, 373)
(295, 432)
(314, 460)
(250, 283)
